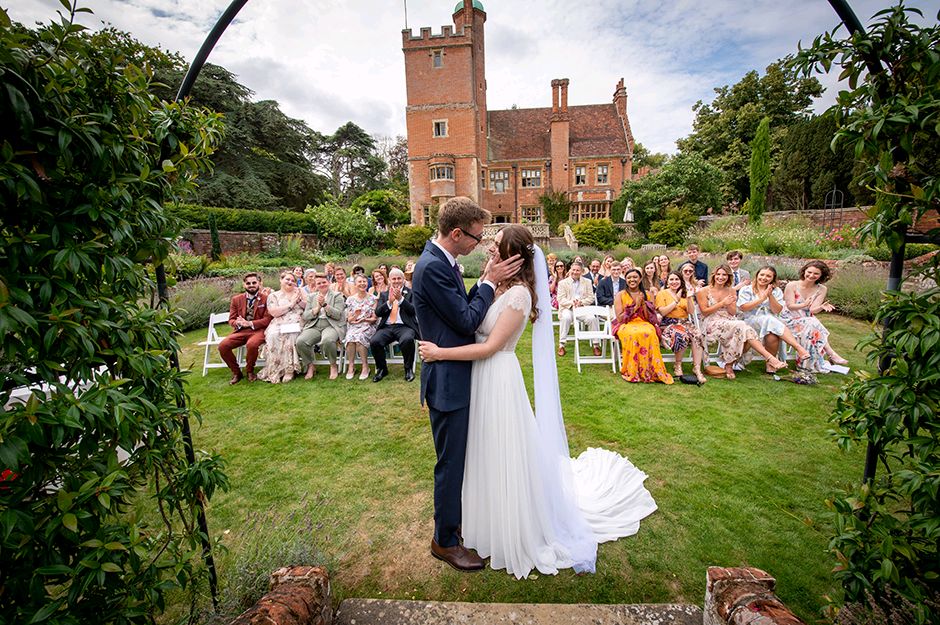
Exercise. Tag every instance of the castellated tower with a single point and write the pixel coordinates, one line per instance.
(446, 112)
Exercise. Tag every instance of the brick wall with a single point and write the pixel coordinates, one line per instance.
(235, 242)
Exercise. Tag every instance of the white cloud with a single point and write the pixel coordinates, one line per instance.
(332, 61)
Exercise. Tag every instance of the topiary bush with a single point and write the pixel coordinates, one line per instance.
(601, 234)
(411, 239)
(88, 158)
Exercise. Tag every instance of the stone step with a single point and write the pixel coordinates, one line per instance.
(389, 612)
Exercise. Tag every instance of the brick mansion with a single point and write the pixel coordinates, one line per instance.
(505, 160)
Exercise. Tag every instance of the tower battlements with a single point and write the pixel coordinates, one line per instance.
(426, 37)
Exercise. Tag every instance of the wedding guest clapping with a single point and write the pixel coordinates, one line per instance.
(607, 264)
(674, 304)
(397, 322)
(559, 273)
(762, 303)
(663, 269)
(804, 298)
(594, 273)
(324, 326)
(637, 328)
(573, 292)
(340, 284)
(310, 277)
(379, 281)
(650, 281)
(360, 320)
(285, 307)
(719, 305)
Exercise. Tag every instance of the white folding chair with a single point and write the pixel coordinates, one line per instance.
(212, 340)
(602, 335)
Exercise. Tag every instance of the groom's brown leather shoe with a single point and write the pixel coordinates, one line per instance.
(458, 556)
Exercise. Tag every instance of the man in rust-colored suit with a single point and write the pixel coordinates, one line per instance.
(248, 316)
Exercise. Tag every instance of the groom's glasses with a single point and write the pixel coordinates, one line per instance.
(478, 239)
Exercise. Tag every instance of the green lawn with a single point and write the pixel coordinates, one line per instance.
(740, 471)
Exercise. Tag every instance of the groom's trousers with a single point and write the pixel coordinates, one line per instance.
(449, 430)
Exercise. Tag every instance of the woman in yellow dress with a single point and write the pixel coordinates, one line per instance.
(637, 328)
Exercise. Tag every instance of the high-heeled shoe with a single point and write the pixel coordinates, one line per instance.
(364, 375)
(838, 360)
(350, 374)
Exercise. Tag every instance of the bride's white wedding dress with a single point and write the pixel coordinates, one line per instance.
(522, 506)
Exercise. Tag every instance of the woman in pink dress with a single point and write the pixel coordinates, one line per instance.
(285, 306)
(804, 298)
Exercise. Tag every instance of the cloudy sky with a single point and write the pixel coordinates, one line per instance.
(331, 61)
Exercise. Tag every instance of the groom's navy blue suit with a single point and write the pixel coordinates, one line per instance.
(447, 316)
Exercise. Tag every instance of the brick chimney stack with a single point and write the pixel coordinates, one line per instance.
(560, 134)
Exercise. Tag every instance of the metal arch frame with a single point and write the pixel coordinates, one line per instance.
(842, 9)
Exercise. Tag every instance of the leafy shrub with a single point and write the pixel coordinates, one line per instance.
(243, 220)
(672, 228)
(912, 250)
(857, 291)
(186, 266)
(195, 301)
(387, 206)
(556, 206)
(411, 239)
(598, 233)
(473, 263)
(342, 229)
(89, 157)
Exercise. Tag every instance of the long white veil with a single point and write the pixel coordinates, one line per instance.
(569, 524)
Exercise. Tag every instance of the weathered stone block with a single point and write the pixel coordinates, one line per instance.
(299, 595)
(743, 596)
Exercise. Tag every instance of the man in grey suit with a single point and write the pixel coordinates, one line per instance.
(324, 325)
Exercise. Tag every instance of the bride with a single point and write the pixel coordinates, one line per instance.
(527, 504)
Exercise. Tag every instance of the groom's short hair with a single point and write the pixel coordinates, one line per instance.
(460, 212)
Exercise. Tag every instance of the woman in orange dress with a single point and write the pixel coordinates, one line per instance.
(637, 328)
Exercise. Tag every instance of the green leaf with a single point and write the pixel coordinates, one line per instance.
(55, 569)
(115, 546)
(70, 522)
(46, 611)
(110, 567)
(104, 499)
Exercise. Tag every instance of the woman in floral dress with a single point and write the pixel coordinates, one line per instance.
(762, 305)
(285, 306)
(678, 330)
(718, 304)
(557, 275)
(360, 319)
(637, 328)
(804, 298)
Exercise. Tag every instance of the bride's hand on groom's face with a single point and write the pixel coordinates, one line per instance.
(429, 351)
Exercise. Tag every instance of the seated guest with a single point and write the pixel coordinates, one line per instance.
(324, 326)
(248, 316)
(285, 306)
(608, 287)
(636, 327)
(575, 291)
(740, 278)
(359, 270)
(594, 274)
(673, 303)
(550, 261)
(340, 284)
(397, 322)
(687, 272)
(328, 270)
(649, 280)
(310, 277)
(804, 298)
(663, 269)
(701, 269)
(719, 306)
(379, 281)
(626, 264)
(607, 264)
(299, 275)
(559, 272)
(360, 326)
(409, 271)
(762, 303)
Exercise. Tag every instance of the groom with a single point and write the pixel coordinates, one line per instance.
(448, 316)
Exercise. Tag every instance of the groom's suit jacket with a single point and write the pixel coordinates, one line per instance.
(447, 316)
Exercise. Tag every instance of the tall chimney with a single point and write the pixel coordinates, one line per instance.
(555, 96)
(564, 94)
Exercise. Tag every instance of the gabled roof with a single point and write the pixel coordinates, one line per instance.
(595, 130)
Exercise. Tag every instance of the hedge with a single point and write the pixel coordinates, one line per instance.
(243, 220)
